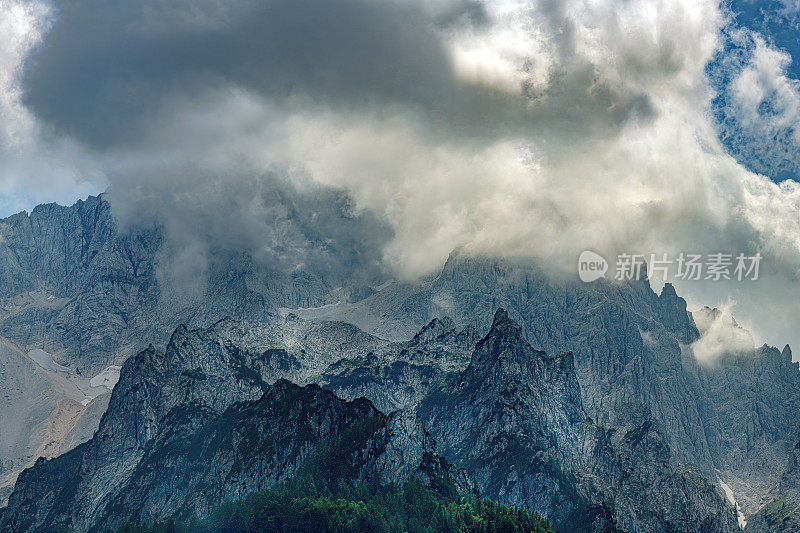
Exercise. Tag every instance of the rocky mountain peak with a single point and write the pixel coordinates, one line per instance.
(674, 317)
(201, 435)
(506, 329)
(668, 292)
(435, 329)
(500, 316)
(514, 401)
(786, 354)
(503, 350)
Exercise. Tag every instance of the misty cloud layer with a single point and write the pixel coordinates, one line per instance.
(720, 336)
(526, 129)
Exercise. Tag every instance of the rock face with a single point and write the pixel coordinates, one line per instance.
(749, 404)
(71, 285)
(75, 285)
(201, 419)
(87, 291)
(634, 466)
(212, 417)
(515, 421)
(208, 420)
(782, 513)
(400, 374)
(248, 356)
(734, 419)
(351, 363)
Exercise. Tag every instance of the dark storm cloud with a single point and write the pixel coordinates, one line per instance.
(108, 68)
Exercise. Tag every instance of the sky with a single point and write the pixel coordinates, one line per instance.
(514, 128)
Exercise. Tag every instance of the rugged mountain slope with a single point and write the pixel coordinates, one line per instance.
(331, 353)
(75, 283)
(201, 458)
(201, 422)
(602, 324)
(782, 512)
(749, 405)
(634, 465)
(72, 283)
(514, 419)
(399, 375)
(344, 359)
(735, 419)
(42, 413)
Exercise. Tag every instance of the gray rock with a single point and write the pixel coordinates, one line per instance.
(734, 420)
(41, 413)
(74, 284)
(198, 424)
(515, 420)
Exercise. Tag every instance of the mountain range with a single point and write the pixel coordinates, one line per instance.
(584, 402)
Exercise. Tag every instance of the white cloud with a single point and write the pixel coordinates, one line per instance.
(720, 335)
(764, 81)
(757, 107)
(21, 28)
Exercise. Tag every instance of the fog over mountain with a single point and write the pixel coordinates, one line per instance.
(519, 129)
(387, 163)
(534, 109)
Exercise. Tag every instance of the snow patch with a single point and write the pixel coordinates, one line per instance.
(102, 383)
(107, 378)
(731, 498)
(45, 360)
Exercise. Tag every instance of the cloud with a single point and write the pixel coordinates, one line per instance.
(758, 95)
(764, 95)
(22, 26)
(452, 123)
(720, 335)
(393, 132)
(33, 169)
(262, 229)
(117, 65)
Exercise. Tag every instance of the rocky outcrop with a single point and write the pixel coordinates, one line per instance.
(95, 284)
(206, 421)
(781, 514)
(734, 419)
(515, 420)
(635, 468)
(400, 374)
